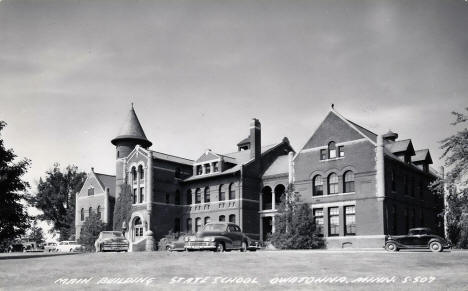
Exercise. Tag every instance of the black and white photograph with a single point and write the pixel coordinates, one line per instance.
(233, 145)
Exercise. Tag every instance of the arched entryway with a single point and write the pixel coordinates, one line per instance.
(137, 229)
(279, 192)
(266, 198)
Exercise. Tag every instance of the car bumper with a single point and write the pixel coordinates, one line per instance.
(115, 247)
(202, 245)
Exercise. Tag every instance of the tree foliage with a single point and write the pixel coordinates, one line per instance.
(56, 198)
(123, 207)
(295, 226)
(90, 230)
(36, 233)
(13, 217)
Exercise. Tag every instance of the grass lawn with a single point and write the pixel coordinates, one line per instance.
(351, 270)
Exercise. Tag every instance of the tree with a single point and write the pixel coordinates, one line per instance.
(454, 184)
(90, 230)
(56, 198)
(294, 225)
(13, 217)
(36, 233)
(123, 207)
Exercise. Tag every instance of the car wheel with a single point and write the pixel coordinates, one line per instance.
(391, 247)
(219, 247)
(435, 246)
(168, 248)
(243, 247)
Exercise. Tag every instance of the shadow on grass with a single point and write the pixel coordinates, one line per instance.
(27, 256)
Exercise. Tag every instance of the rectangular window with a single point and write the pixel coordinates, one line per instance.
(215, 167)
(318, 218)
(207, 168)
(90, 191)
(350, 220)
(142, 195)
(135, 195)
(341, 151)
(333, 221)
(199, 170)
(323, 154)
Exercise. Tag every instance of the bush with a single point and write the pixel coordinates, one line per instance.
(123, 207)
(295, 226)
(90, 230)
(171, 236)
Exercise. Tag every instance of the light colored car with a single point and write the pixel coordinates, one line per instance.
(68, 246)
(111, 241)
(50, 247)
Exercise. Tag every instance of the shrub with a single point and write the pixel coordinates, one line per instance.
(90, 230)
(123, 207)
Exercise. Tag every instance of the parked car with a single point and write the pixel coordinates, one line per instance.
(176, 244)
(111, 241)
(50, 247)
(16, 247)
(221, 236)
(68, 246)
(417, 238)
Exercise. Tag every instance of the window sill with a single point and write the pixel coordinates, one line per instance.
(332, 159)
(333, 195)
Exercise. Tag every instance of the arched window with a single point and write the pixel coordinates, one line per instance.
(207, 220)
(197, 196)
(232, 192)
(267, 198)
(206, 199)
(142, 195)
(222, 192)
(90, 210)
(82, 214)
(137, 228)
(189, 197)
(348, 182)
(135, 195)
(331, 150)
(317, 189)
(197, 224)
(232, 218)
(177, 197)
(279, 192)
(222, 218)
(189, 225)
(333, 183)
(98, 211)
(141, 172)
(134, 174)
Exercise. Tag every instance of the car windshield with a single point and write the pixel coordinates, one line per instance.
(214, 227)
(111, 234)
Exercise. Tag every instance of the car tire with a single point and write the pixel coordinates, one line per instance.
(243, 247)
(219, 247)
(168, 248)
(435, 247)
(391, 247)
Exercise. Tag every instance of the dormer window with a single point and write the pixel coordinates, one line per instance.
(331, 150)
(207, 168)
(215, 167)
(199, 170)
(90, 191)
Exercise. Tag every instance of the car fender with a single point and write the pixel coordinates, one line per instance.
(227, 241)
(390, 240)
(435, 239)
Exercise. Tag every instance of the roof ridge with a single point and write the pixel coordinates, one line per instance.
(171, 155)
(104, 174)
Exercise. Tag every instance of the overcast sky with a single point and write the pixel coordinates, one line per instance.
(198, 71)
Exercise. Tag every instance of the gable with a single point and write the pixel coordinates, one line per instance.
(208, 156)
(91, 181)
(332, 128)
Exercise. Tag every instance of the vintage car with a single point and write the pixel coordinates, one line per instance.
(417, 238)
(50, 247)
(111, 241)
(68, 246)
(176, 244)
(221, 236)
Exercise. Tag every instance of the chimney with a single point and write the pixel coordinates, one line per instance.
(390, 136)
(255, 139)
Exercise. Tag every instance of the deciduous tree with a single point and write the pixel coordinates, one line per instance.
(90, 230)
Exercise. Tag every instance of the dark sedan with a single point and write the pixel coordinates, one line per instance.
(221, 236)
(417, 238)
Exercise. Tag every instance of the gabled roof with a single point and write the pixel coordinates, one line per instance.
(207, 156)
(365, 131)
(400, 146)
(278, 167)
(171, 158)
(242, 157)
(106, 181)
(421, 156)
(132, 130)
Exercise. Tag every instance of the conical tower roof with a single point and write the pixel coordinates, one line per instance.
(131, 130)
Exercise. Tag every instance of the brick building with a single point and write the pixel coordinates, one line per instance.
(360, 186)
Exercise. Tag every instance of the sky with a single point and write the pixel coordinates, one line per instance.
(199, 71)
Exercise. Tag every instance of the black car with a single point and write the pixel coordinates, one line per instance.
(417, 238)
(221, 236)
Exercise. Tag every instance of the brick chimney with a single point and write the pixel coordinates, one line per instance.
(255, 139)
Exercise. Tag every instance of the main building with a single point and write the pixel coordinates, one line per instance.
(360, 185)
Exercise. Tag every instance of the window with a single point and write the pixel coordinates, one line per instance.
(141, 172)
(134, 195)
(82, 214)
(317, 189)
(168, 198)
(333, 183)
(177, 197)
(189, 197)
(350, 220)
(215, 167)
(232, 192)
(348, 182)
(197, 196)
(207, 220)
(222, 218)
(197, 224)
(142, 195)
(318, 218)
(222, 193)
(393, 181)
(279, 192)
(189, 225)
(90, 191)
(98, 211)
(134, 174)
(323, 154)
(232, 218)
(333, 221)
(199, 170)
(177, 225)
(341, 151)
(207, 195)
(138, 229)
(90, 210)
(267, 198)
(331, 150)
(207, 168)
